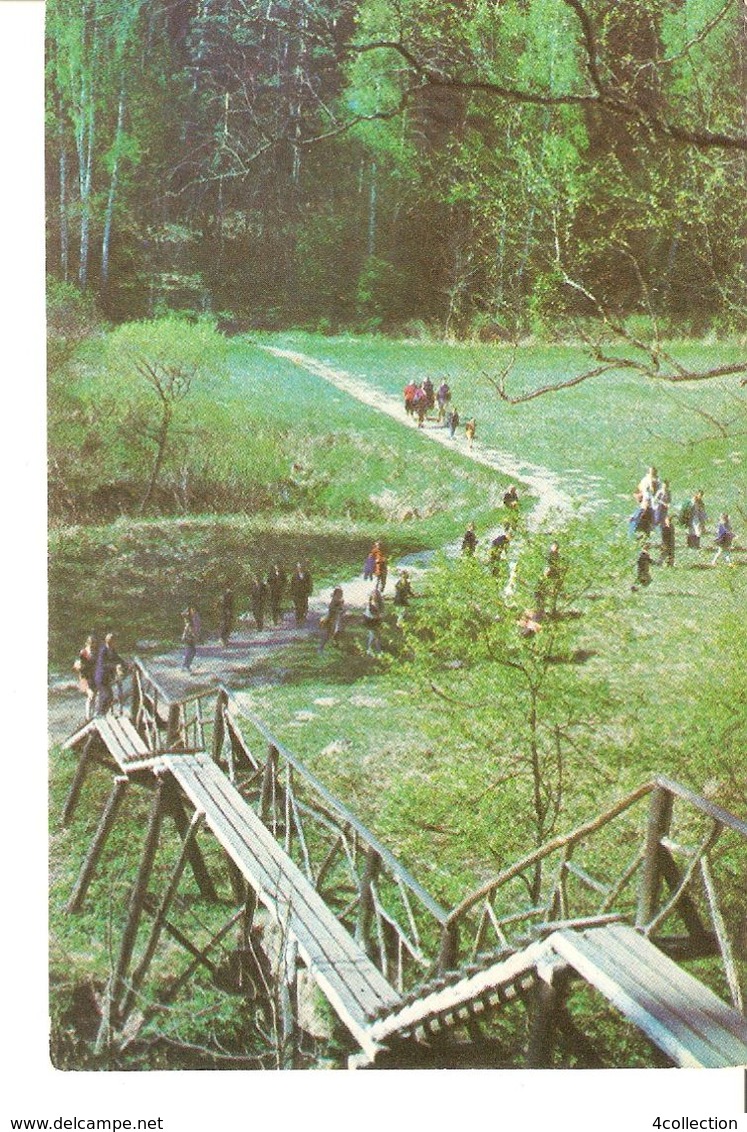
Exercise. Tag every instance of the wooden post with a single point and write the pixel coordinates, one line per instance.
(106, 821)
(268, 783)
(365, 905)
(174, 735)
(196, 859)
(247, 920)
(141, 970)
(132, 924)
(287, 996)
(449, 950)
(136, 700)
(659, 819)
(219, 727)
(238, 884)
(80, 773)
(544, 1015)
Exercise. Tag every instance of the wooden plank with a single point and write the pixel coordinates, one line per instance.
(700, 1024)
(352, 983)
(677, 1012)
(324, 923)
(79, 735)
(723, 1024)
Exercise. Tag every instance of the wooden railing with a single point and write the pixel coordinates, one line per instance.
(649, 863)
(617, 867)
(373, 894)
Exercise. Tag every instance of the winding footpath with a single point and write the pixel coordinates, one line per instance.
(245, 660)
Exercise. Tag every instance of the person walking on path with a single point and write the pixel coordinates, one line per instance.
(381, 565)
(369, 566)
(373, 618)
(724, 540)
(301, 586)
(498, 551)
(695, 518)
(443, 396)
(108, 677)
(667, 541)
(258, 598)
(662, 502)
(276, 581)
(226, 611)
(402, 596)
(452, 422)
(190, 636)
(469, 542)
(85, 666)
(332, 622)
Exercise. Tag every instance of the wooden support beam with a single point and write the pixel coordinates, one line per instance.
(219, 728)
(106, 821)
(175, 736)
(200, 959)
(659, 820)
(543, 1008)
(80, 774)
(269, 783)
(238, 883)
(685, 905)
(196, 860)
(141, 970)
(134, 912)
(287, 1003)
(371, 871)
(449, 949)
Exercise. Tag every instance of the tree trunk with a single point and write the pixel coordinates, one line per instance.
(163, 436)
(64, 237)
(106, 241)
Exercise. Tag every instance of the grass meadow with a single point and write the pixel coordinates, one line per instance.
(318, 474)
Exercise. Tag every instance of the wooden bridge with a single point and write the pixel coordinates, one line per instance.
(411, 982)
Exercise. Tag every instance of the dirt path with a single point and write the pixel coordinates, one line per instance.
(552, 498)
(247, 659)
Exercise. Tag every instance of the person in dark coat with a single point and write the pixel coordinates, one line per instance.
(276, 581)
(301, 586)
(498, 550)
(108, 676)
(666, 557)
(258, 597)
(469, 542)
(226, 612)
(452, 422)
(190, 636)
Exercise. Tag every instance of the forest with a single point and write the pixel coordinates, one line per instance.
(478, 168)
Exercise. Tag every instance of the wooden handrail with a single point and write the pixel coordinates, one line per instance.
(341, 810)
(723, 817)
(545, 850)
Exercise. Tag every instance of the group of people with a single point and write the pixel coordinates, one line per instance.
(101, 672)
(500, 543)
(332, 623)
(422, 398)
(653, 512)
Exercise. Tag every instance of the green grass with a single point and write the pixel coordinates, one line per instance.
(613, 426)
(666, 665)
